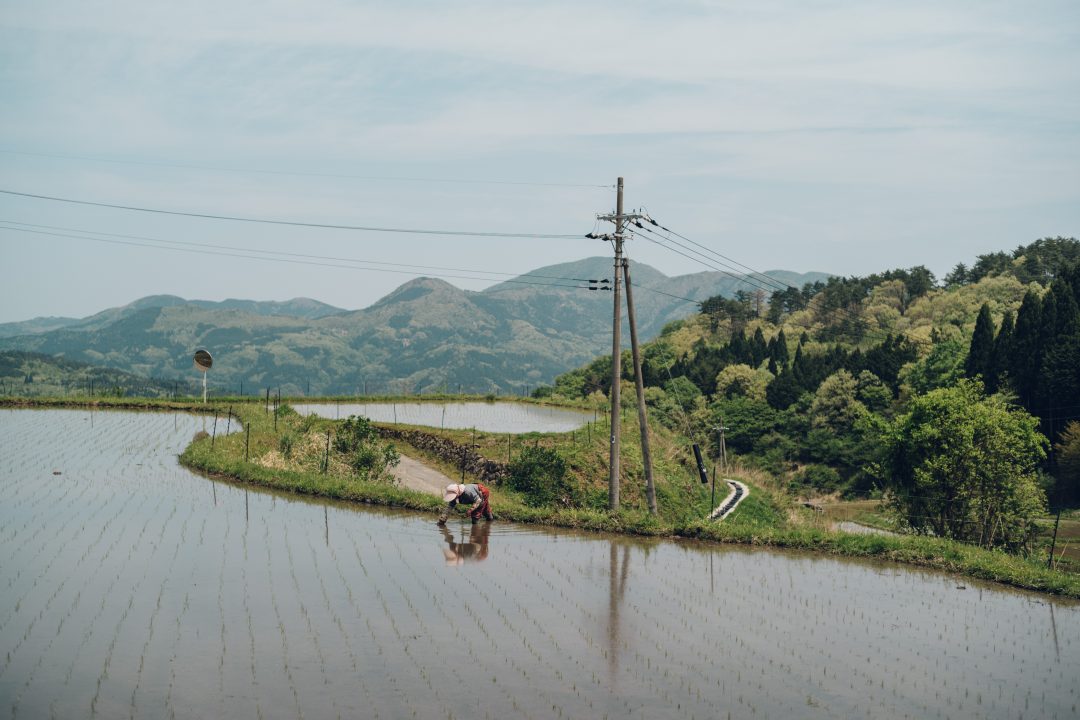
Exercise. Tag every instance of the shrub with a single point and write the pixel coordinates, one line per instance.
(357, 440)
(285, 444)
(819, 477)
(539, 474)
(308, 422)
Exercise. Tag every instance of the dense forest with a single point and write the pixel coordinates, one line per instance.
(826, 385)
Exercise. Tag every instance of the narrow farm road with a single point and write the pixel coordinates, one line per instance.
(415, 475)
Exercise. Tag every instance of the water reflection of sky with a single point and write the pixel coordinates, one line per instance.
(132, 587)
(500, 417)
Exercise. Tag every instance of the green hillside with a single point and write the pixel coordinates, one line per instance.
(890, 385)
(427, 335)
(33, 375)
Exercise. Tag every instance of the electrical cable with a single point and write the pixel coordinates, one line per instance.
(764, 282)
(852, 315)
(308, 256)
(739, 278)
(294, 261)
(769, 279)
(340, 176)
(752, 282)
(293, 223)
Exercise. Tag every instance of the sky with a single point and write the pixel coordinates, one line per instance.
(837, 136)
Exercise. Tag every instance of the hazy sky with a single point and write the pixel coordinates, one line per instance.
(846, 136)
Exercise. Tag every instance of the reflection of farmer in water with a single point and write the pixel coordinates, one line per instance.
(458, 553)
(476, 496)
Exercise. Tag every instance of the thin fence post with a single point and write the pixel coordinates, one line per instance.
(247, 441)
(326, 455)
(213, 437)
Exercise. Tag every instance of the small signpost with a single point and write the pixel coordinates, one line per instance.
(203, 362)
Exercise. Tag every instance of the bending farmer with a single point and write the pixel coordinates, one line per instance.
(476, 496)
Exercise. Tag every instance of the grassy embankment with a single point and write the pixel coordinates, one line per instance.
(769, 517)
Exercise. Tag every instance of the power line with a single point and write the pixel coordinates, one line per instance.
(311, 259)
(739, 278)
(293, 223)
(340, 176)
(752, 282)
(779, 284)
(307, 256)
(269, 258)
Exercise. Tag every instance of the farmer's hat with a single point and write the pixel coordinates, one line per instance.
(452, 491)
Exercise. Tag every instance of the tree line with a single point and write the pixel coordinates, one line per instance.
(958, 430)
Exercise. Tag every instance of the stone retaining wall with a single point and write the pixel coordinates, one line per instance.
(486, 471)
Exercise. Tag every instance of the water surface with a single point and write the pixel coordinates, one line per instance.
(133, 588)
(500, 417)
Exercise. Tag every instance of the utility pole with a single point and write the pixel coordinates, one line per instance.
(639, 385)
(616, 359)
(1060, 496)
(619, 218)
(723, 446)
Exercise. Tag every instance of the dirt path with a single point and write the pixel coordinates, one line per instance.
(415, 475)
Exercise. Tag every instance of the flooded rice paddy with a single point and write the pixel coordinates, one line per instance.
(503, 417)
(133, 588)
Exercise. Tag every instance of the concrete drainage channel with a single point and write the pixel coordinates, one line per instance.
(739, 492)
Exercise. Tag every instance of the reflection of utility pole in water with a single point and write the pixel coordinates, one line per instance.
(326, 521)
(245, 506)
(1053, 625)
(616, 590)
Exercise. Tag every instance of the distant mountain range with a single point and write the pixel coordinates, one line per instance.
(426, 334)
(297, 307)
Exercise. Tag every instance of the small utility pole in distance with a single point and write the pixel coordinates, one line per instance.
(723, 446)
(1060, 497)
(721, 450)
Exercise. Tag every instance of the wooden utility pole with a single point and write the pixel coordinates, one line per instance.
(616, 359)
(621, 269)
(639, 385)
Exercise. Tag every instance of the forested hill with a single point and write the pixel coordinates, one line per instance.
(806, 382)
(426, 335)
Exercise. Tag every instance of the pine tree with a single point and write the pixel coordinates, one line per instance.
(980, 357)
(798, 367)
(1024, 359)
(781, 354)
(759, 350)
(999, 361)
(784, 390)
(739, 347)
(1067, 320)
